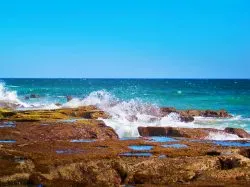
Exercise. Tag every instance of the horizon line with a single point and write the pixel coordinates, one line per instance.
(118, 78)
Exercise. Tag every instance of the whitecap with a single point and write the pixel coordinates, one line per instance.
(222, 136)
(9, 98)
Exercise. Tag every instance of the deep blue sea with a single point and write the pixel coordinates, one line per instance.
(125, 98)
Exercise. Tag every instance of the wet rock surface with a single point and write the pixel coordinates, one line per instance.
(194, 133)
(188, 115)
(237, 131)
(63, 124)
(72, 147)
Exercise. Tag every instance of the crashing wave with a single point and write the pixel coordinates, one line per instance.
(126, 116)
(222, 136)
(10, 99)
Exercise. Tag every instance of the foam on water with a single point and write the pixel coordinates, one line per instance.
(127, 115)
(222, 136)
(9, 98)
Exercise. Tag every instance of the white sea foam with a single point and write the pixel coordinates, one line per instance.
(9, 98)
(222, 136)
(126, 116)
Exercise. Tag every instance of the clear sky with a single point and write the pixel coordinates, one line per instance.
(125, 38)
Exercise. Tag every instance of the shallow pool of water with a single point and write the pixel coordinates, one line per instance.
(7, 141)
(8, 124)
(141, 147)
(83, 141)
(128, 138)
(232, 143)
(162, 156)
(131, 154)
(178, 146)
(68, 151)
(161, 139)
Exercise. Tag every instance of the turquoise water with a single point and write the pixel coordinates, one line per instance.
(233, 95)
(137, 96)
(162, 139)
(141, 147)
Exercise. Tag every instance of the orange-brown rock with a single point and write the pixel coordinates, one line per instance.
(208, 113)
(60, 130)
(184, 117)
(99, 164)
(237, 131)
(188, 115)
(44, 154)
(167, 110)
(87, 112)
(194, 133)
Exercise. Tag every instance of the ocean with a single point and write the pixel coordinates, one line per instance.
(136, 102)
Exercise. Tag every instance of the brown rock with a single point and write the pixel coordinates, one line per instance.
(184, 117)
(194, 112)
(100, 164)
(217, 114)
(167, 110)
(54, 131)
(188, 115)
(237, 131)
(194, 133)
(245, 152)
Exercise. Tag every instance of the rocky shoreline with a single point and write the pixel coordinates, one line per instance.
(72, 147)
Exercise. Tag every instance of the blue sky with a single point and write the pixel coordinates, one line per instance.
(125, 38)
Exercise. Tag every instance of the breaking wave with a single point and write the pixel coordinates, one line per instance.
(222, 136)
(9, 98)
(126, 116)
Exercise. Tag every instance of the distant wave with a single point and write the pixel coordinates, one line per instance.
(13, 86)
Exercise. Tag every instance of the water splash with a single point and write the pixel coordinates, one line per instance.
(9, 98)
(126, 115)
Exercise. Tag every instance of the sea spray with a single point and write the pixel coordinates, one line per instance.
(9, 98)
(126, 114)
